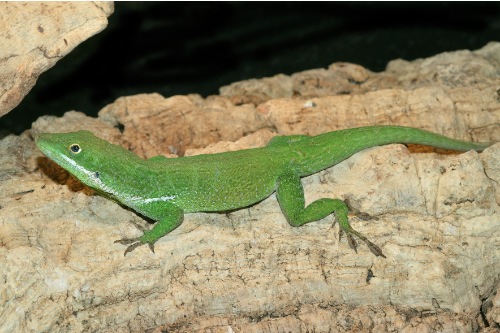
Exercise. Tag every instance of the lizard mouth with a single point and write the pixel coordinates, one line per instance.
(47, 142)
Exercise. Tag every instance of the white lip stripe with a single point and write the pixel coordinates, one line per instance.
(107, 189)
(90, 175)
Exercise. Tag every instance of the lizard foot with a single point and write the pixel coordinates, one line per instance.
(376, 250)
(134, 243)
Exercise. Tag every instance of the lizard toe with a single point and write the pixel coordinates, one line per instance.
(134, 243)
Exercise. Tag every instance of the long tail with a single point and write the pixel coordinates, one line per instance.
(325, 150)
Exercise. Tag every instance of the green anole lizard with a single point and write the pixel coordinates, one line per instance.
(164, 189)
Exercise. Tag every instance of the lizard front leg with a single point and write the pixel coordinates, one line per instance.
(169, 217)
(290, 194)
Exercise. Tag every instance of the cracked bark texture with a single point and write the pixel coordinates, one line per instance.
(35, 35)
(434, 213)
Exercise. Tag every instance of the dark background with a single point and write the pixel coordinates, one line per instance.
(181, 48)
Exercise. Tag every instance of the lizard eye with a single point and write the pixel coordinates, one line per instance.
(75, 148)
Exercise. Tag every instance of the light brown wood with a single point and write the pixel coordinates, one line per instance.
(436, 216)
(35, 35)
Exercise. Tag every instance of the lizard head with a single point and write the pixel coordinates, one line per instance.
(84, 155)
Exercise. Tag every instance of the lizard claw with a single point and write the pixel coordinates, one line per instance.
(134, 243)
(371, 246)
(352, 243)
(376, 250)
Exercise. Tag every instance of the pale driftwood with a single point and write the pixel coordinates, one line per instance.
(35, 35)
(435, 216)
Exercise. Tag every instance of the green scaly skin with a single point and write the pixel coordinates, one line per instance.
(164, 189)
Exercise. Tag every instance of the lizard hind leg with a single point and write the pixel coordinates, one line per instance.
(290, 194)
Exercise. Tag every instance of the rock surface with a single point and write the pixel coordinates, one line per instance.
(35, 35)
(435, 215)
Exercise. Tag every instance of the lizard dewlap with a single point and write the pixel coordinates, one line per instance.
(165, 189)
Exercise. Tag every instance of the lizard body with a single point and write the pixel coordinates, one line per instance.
(163, 189)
